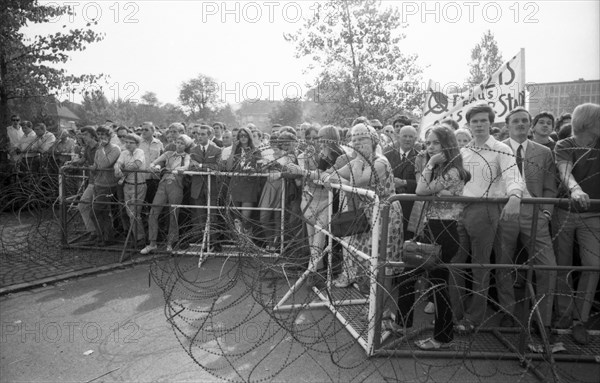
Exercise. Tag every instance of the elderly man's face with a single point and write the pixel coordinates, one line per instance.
(407, 137)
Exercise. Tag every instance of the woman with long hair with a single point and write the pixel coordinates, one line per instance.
(244, 191)
(440, 172)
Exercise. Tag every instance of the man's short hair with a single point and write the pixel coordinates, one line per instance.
(481, 108)
(41, 125)
(103, 130)
(220, 125)
(210, 129)
(516, 110)
(543, 114)
(179, 127)
(404, 120)
(90, 130)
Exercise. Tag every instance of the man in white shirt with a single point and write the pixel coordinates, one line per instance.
(134, 187)
(152, 148)
(23, 153)
(14, 132)
(494, 174)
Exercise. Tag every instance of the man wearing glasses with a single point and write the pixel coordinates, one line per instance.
(14, 132)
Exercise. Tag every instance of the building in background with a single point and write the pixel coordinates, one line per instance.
(561, 97)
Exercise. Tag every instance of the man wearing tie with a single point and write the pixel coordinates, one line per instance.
(205, 156)
(402, 159)
(536, 165)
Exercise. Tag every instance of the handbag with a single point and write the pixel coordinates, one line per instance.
(351, 222)
(423, 255)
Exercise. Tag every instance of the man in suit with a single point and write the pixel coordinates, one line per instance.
(205, 156)
(402, 159)
(535, 164)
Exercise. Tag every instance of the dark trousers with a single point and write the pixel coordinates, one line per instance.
(444, 233)
(101, 210)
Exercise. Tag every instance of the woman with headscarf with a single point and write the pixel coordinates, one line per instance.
(369, 169)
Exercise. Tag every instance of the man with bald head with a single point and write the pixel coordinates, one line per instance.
(401, 156)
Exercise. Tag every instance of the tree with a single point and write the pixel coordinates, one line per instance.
(200, 96)
(30, 68)
(97, 108)
(150, 98)
(288, 113)
(355, 47)
(485, 59)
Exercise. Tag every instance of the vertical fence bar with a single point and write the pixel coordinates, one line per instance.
(63, 207)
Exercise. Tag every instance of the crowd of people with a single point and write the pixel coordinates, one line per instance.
(530, 156)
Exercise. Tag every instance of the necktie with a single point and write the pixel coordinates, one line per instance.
(520, 159)
(203, 151)
(403, 157)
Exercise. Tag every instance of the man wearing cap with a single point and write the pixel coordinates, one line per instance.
(134, 186)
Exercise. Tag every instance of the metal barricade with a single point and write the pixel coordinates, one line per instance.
(67, 202)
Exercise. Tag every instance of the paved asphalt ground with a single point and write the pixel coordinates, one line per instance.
(112, 327)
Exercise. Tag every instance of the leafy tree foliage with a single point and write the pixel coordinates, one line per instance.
(485, 59)
(355, 49)
(200, 96)
(30, 68)
(288, 113)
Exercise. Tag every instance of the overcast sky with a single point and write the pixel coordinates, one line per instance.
(156, 45)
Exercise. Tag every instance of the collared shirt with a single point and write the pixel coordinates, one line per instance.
(43, 143)
(127, 161)
(152, 150)
(493, 169)
(514, 145)
(14, 135)
(25, 143)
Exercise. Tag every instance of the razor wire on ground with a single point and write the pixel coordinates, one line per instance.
(253, 267)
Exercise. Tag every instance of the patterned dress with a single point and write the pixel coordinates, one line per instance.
(355, 267)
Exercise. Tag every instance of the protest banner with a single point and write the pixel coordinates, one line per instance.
(504, 90)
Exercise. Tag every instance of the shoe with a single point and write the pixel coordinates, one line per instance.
(429, 308)
(343, 281)
(391, 326)
(465, 326)
(169, 248)
(507, 320)
(146, 250)
(580, 334)
(432, 344)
